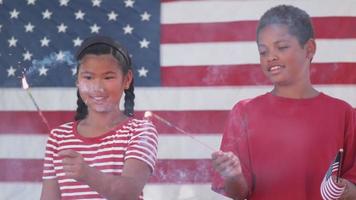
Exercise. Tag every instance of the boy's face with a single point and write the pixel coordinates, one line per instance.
(101, 82)
(283, 60)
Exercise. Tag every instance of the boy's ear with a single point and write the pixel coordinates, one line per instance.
(311, 48)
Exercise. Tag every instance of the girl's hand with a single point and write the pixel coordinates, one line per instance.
(226, 164)
(74, 165)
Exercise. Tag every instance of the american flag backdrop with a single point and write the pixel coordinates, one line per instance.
(193, 60)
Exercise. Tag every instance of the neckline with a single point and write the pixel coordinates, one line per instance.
(103, 135)
(294, 100)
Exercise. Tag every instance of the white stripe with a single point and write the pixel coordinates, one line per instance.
(15, 146)
(68, 194)
(73, 187)
(32, 191)
(156, 98)
(226, 11)
(227, 53)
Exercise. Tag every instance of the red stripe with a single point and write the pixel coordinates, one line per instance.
(342, 27)
(208, 32)
(167, 171)
(250, 74)
(31, 122)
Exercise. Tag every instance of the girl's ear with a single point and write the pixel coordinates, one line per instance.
(311, 48)
(128, 79)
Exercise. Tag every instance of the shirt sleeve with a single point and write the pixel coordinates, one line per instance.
(143, 144)
(50, 151)
(349, 161)
(235, 139)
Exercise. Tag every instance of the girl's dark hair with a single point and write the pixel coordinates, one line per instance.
(296, 19)
(101, 45)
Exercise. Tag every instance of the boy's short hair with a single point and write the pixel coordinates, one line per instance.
(297, 20)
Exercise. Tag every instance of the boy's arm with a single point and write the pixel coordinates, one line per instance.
(236, 187)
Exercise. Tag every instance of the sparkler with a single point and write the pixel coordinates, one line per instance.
(149, 114)
(26, 87)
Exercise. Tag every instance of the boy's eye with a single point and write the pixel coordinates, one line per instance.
(262, 53)
(109, 77)
(283, 47)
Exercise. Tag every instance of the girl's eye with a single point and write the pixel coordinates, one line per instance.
(87, 77)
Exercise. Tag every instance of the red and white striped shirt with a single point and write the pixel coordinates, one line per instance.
(132, 138)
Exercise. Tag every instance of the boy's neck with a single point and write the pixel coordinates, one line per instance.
(295, 92)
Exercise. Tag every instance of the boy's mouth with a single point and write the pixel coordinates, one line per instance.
(275, 69)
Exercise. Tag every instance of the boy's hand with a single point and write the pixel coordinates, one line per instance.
(226, 164)
(350, 190)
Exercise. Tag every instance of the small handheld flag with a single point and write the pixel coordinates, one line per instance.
(329, 188)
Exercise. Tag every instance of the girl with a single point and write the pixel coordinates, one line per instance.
(279, 145)
(105, 153)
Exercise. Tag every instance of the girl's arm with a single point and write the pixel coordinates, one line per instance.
(128, 186)
(50, 190)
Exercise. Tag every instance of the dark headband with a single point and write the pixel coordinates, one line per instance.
(95, 40)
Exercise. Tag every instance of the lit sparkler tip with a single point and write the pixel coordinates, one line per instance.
(148, 114)
(24, 83)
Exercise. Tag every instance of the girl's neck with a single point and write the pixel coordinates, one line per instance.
(96, 123)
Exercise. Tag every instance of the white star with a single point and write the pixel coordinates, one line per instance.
(29, 27)
(14, 14)
(79, 15)
(74, 71)
(128, 29)
(27, 55)
(44, 42)
(11, 71)
(31, 2)
(43, 71)
(77, 41)
(12, 42)
(95, 28)
(60, 56)
(46, 14)
(96, 3)
(0, 1)
(63, 2)
(112, 16)
(144, 43)
(62, 28)
(145, 16)
(129, 3)
(142, 72)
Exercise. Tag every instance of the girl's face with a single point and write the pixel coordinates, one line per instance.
(283, 60)
(101, 82)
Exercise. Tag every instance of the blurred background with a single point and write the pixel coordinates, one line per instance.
(193, 61)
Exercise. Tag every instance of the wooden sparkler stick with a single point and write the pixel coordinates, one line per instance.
(27, 88)
(148, 114)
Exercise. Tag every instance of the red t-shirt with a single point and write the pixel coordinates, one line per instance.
(132, 138)
(286, 145)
